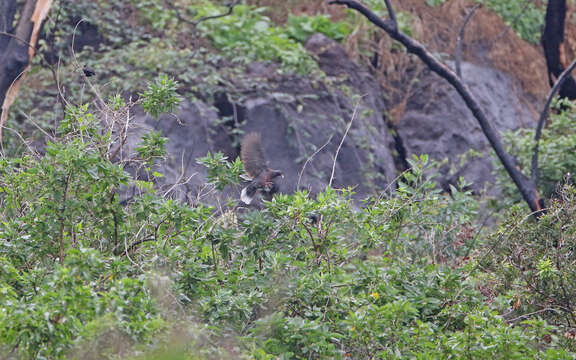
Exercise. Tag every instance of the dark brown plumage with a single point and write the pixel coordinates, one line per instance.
(255, 165)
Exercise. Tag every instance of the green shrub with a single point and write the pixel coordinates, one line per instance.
(301, 28)
(526, 18)
(160, 97)
(251, 36)
(61, 225)
(532, 260)
(557, 146)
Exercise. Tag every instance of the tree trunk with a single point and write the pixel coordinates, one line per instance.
(553, 45)
(17, 46)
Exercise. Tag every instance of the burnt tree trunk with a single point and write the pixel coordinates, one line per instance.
(525, 185)
(17, 46)
(14, 43)
(553, 44)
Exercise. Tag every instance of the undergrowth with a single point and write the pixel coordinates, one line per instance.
(96, 263)
(85, 271)
(557, 165)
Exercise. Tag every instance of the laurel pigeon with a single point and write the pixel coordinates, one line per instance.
(261, 176)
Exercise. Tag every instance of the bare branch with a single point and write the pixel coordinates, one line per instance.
(524, 185)
(544, 116)
(15, 56)
(391, 13)
(460, 38)
(100, 101)
(310, 159)
(342, 142)
(552, 41)
(195, 23)
(3, 33)
(532, 314)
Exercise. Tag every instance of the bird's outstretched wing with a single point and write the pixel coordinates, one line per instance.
(252, 155)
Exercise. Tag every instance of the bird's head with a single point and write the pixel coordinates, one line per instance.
(275, 173)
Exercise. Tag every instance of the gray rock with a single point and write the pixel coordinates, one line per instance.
(437, 122)
(299, 117)
(295, 116)
(191, 135)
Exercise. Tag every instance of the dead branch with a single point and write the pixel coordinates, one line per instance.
(460, 39)
(310, 159)
(17, 47)
(391, 13)
(342, 142)
(195, 23)
(544, 116)
(524, 185)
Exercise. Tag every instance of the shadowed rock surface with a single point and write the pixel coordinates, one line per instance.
(437, 122)
(295, 119)
(296, 116)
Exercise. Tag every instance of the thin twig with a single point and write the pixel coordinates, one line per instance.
(96, 93)
(126, 248)
(123, 133)
(543, 116)
(460, 38)
(531, 314)
(313, 242)
(29, 118)
(21, 138)
(204, 18)
(17, 38)
(178, 181)
(310, 159)
(60, 96)
(62, 213)
(342, 142)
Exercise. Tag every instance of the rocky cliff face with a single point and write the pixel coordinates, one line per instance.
(297, 116)
(438, 123)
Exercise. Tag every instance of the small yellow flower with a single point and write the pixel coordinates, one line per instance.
(375, 295)
(353, 328)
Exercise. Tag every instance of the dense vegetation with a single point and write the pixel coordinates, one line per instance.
(411, 273)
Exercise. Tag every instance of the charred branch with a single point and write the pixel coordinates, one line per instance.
(16, 44)
(460, 39)
(195, 23)
(544, 116)
(526, 187)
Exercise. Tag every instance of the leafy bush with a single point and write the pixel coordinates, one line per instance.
(46, 316)
(403, 275)
(251, 36)
(160, 96)
(221, 172)
(526, 18)
(301, 28)
(533, 260)
(557, 146)
(301, 278)
(57, 209)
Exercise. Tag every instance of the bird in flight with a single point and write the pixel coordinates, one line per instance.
(255, 164)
